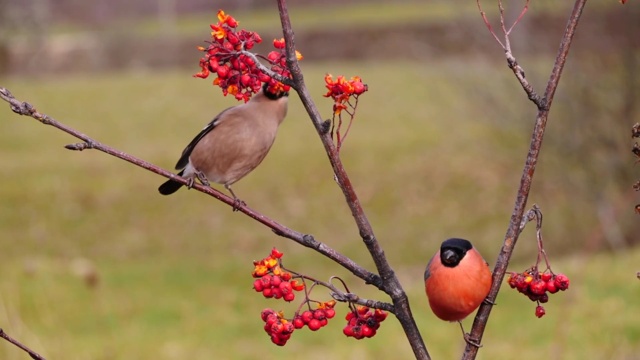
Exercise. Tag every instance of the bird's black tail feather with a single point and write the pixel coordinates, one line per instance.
(170, 186)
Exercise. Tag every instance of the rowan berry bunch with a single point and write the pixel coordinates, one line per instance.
(237, 71)
(363, 322)
(345, 94)
(275, 281)
(272, 281)
(315, 319)
(533, 283)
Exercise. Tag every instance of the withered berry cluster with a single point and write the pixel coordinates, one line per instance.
(363, 322)
(535, 285)
(237, 72)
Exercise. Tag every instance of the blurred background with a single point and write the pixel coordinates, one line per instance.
(96, 264)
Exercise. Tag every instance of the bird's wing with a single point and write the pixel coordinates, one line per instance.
(184, 158)
(427, 271)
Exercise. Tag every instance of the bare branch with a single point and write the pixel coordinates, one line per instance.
(513, 230)
(391, 284)
(518, 71)
(306, 240)
(34, 355)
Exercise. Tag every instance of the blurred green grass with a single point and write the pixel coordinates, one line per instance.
(426, 155)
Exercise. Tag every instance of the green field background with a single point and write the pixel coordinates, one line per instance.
(435, 151)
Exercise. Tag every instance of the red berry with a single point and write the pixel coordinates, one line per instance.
(348, 330)
(275, 253)
(245, 80)
(276, 280)
(330, 313)
(319, 314)
(543, 298)
(268, 293)
(359, 88)
(367, 331)
(546, 276)
(540, 311)
(257, 285)
(314, 324)
(562, 282)
(289, 297)
(380, 315)
(278, 340)
(288, 328)
(265, 314)
(324, 322)
(285, 276)
(350, 315)
(538, 287)
(285, 287)
(551, 287)
(298, 323)
(277, 327)
(357, 332)
(223, 71)
(277, 293)
(307, 316)
(363, 310)
(272, 319)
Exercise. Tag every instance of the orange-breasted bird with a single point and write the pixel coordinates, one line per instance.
(457, 280)
(233, 144)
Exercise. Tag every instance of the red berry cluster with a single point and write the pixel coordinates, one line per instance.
(278, 328)
(363, 322)
(535, 285)
(341, 90)
(317, 318)
(272, 281)
(237, 73)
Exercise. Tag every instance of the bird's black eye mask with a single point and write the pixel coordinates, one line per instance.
(453, 251)
(271, 95)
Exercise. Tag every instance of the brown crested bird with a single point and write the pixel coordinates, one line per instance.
(233, 144)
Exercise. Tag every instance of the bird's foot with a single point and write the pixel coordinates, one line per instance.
(203, 178)
(470, 341)
(488, 302)
(237, 204)
(190, 183)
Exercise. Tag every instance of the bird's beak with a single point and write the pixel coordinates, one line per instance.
(449, 257)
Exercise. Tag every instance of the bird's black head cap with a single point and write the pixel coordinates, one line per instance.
(273, 96)
(452, 251)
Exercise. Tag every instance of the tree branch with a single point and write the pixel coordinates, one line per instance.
(34, 355)
(391, 284)
(306, 240)
(513, 230)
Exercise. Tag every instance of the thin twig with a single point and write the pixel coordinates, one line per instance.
(34, 355)
(306, 240)
(513, 231)
(340, 295)
(391, 284)
(518, 71)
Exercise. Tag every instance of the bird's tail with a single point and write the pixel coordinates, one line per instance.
(170, 186)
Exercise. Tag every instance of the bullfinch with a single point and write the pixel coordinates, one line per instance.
(233, 144)
(457, 280)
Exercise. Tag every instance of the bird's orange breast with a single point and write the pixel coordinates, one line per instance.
(456, 292)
